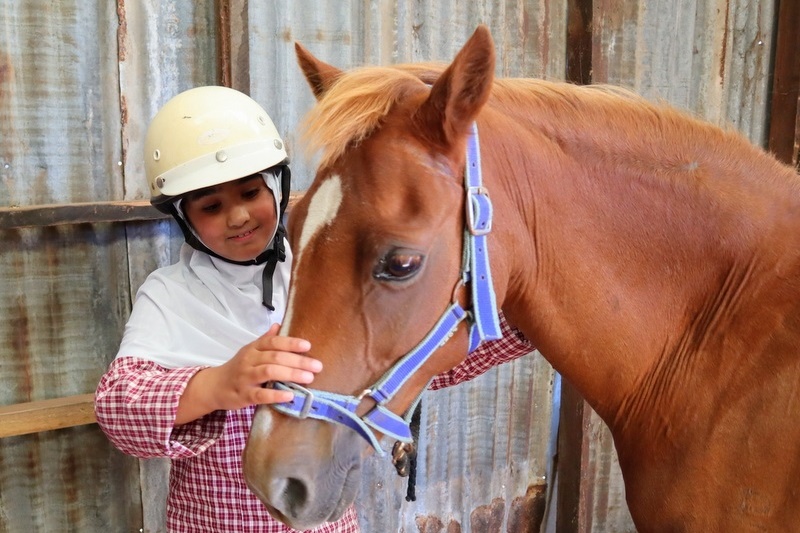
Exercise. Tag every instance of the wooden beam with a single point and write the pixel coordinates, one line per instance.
(90, 212)
(87, 213)
(46, 415)
(573, 496)
(784, 133)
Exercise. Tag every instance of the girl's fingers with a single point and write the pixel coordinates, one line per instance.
(290, 360)
(270, 341)
(283, 373)
(273, 396)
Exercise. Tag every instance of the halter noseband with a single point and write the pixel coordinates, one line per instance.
(483, 320)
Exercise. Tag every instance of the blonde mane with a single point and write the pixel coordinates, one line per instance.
(356, 103)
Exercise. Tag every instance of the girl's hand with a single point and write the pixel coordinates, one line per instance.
(239, 382)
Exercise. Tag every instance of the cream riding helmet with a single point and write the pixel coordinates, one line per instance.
(211, 135)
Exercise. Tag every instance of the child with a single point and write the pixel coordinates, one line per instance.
(202, 336)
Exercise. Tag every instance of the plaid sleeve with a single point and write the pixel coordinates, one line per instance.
(510, 346)
(136, 402)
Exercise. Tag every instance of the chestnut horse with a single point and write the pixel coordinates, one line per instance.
(654, 260)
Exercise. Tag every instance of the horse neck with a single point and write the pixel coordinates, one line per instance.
(606, 259)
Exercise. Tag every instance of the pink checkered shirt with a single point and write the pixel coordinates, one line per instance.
(136, 403)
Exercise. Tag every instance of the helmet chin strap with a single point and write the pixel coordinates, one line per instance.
(276, 249)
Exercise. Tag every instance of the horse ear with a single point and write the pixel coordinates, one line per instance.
(319, 75)
(458, 95)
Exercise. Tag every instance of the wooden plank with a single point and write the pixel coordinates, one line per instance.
(87, 213)
(90, 212)
(785, 112)
(46, 415)
(573, 503)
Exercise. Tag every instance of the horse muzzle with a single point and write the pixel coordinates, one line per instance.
(306, 475)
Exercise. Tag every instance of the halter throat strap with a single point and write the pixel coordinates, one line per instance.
(482, 317)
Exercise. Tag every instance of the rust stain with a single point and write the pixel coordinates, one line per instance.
(122, 31)
(724, 51)
(429, 524)
(527, 512)
(21, 346)
(488, 518)
(71, 485)
(544, 32)
(53, 241)
(434, 524)
(19, 320)
(6, 70)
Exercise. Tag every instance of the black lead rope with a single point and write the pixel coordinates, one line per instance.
(404, 455)
(411, 494)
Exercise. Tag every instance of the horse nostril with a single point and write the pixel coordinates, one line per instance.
(295, 494)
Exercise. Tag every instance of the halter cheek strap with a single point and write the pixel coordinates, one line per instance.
(483, 322)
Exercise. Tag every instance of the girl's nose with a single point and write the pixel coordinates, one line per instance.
(238, 216)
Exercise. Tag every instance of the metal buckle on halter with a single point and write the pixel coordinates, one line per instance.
(308, 398)
(479, 211)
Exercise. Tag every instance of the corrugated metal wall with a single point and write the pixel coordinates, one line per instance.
(79, 81)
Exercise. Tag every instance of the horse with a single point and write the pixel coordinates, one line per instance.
(651, 257)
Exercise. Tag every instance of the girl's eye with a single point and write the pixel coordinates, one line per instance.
(399, 264)
(249, 194)
(210, 208)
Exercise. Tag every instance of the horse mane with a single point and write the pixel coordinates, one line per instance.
(357, 102)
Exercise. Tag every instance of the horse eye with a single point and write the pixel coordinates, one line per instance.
(398, 265)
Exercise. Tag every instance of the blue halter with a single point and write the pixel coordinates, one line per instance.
(482, 318)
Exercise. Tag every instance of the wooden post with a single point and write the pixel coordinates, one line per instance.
(573, 497)
(784, 128)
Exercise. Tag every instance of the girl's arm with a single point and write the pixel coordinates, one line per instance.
(510, 346)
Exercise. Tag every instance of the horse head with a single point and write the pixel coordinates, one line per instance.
(378, 243)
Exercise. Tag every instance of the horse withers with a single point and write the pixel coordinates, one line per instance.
(654, 260)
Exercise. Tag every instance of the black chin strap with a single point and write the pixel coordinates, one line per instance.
(278, 253)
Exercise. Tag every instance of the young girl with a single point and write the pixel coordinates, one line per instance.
(202, 336)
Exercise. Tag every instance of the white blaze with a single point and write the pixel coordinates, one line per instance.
(262, 423)
(321, 211)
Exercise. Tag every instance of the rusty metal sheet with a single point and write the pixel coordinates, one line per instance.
(529, 36)
(59, 103)
(78, 80)
(710, 57)
(63, 302)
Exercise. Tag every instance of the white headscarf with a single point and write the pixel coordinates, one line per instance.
(201, 310)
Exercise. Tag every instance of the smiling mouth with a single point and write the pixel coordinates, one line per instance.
(243, 235)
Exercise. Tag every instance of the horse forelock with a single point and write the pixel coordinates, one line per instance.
(357, 103)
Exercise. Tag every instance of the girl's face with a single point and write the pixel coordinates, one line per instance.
(236, 219)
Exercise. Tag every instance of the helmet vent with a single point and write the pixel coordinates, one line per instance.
(156, 155)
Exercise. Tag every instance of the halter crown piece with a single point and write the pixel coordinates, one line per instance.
(482, 318)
